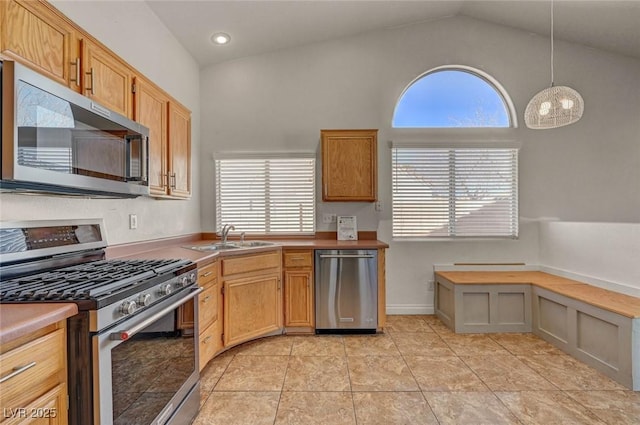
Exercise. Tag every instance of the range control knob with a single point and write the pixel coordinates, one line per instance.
(193, 278)
(144, 300)
(128, 307)
(166, 289)
(184, 281)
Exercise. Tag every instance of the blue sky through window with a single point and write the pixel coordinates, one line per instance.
(451, 98)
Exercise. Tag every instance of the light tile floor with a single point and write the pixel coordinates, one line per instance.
(418, 372)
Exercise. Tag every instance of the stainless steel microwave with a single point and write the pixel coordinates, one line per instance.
(57, 141)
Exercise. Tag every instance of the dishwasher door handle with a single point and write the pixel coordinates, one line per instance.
(345, 256)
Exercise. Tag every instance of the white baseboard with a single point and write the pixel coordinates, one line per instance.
(410, 309)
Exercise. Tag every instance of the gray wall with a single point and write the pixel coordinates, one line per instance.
(589, 171)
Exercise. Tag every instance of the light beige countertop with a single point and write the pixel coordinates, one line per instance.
(17, 320)
(625, 305)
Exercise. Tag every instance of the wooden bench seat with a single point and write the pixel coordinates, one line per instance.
(597, 326)
(615, 302)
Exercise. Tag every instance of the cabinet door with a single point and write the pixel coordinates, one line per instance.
(179, 151)
(31, 33)
(150, 110)
(106, 79)
(252, 307)
(298, 298)
(349, 165)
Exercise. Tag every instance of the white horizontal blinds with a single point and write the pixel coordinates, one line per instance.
(272, 195)
(455, 193)
(54, 159)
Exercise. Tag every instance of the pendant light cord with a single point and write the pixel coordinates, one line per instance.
(551, 43)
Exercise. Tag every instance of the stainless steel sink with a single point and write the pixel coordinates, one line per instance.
(227, 246)
(254, 244)
(214, 247)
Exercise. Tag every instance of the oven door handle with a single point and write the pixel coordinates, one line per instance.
(128, 333)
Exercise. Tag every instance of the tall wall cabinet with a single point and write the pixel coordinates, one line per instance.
(37, 35)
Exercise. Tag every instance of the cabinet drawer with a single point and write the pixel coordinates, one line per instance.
(209, 344)
(208, 307)
(250, 263)
(207, 273)
(298, 258)
(47, 357)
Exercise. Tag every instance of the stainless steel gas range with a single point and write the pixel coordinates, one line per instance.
(129, 364)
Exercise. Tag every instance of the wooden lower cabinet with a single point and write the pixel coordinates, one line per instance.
(253, 307)
(209, 317)
(37, 394)
(253, 299)
(299, 314)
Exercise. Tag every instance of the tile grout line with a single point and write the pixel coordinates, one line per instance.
(493, 393)
(284, 378)
(414, 377)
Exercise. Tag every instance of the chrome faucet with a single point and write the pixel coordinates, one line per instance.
(225, 232)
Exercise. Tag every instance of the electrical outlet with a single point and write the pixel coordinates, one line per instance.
(430, 285)
(328, 218)
(133, 221)
(378, 206)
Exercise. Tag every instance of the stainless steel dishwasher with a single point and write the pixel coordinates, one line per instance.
(346, 291)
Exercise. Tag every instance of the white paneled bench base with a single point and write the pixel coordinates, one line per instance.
(595, 325)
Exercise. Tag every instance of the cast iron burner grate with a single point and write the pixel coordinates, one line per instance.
(94, 281)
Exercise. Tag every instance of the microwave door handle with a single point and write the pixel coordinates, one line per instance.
(128, 333)
(144, 160)
(127, 158)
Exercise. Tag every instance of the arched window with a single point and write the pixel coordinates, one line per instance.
(454, 97)
(452, 188)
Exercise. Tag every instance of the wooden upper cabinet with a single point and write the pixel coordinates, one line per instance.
(106, 78)
(151, 109)
(179, 151)
(349, 165)
(35, 33)
(31, 33)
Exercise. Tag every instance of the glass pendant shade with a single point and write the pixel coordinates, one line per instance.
(553, 107)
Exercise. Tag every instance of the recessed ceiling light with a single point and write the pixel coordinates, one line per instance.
(220, 38)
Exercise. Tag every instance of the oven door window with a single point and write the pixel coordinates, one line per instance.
(148, 369)
(57, 135)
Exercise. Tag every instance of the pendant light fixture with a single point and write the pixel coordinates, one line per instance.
(555, 106)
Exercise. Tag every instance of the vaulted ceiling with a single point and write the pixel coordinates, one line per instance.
(261, 26)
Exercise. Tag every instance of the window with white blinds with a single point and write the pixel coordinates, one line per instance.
(268, 195)
(454, 192)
